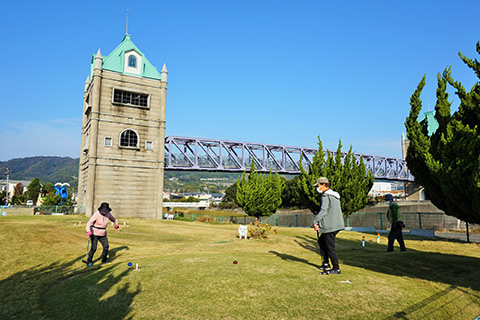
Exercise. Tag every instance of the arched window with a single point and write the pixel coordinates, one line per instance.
(129, 138)
(132, 61)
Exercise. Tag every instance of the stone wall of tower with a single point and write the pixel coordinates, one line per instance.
(130, 179)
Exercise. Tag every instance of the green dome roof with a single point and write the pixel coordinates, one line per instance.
(116, 59)
(430, 122)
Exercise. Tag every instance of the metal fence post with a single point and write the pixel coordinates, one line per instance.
(381, 221)
(296, 220)
(276, 220)
(348, 221)
(420, 219)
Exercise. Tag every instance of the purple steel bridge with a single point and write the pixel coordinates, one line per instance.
(198, 154)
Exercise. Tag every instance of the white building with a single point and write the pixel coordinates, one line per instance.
(381, 188)
(11, 186)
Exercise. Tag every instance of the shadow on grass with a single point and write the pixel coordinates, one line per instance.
(288, 257)
(112, 253)
(455, 270)
(445, 304)
(65, 291)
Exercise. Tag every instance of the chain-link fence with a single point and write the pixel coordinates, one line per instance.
(55, 210)
(23, 210)
(378, 220)
(418, 220)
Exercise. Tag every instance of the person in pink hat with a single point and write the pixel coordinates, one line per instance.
(97, 231)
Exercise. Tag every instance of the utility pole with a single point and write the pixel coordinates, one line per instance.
(7, 172)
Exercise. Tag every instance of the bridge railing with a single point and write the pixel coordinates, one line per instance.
(182, 153)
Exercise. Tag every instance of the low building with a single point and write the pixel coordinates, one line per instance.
(11, 186)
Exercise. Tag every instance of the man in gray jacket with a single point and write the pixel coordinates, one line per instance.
(328, 222)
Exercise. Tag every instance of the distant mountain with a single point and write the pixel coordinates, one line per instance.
(47, 169)
(65, 169)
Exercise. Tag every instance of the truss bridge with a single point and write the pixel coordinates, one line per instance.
(198, 154)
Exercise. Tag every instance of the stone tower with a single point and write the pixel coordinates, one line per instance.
(123, 134)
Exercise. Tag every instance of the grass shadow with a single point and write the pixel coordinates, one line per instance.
(62, 291)
(289, 257)
(455, 270)
(444, 304)
(112, 253)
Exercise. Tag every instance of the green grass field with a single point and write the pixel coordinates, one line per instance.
(186, 271)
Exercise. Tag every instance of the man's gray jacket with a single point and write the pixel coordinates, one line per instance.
(330, 218)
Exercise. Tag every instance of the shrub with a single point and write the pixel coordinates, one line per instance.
(260, 230)
(207, 219)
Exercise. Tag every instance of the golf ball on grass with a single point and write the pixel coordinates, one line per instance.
(129, 264)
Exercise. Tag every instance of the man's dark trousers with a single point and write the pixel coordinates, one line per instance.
(395, 234)
(326, 243)
(104, 241)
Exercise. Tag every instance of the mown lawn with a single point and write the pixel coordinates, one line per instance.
(186, 271)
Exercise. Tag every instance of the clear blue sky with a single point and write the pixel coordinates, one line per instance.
(280, 72)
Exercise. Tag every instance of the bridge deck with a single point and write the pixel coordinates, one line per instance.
(182, 153)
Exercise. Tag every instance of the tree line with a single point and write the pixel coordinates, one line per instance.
(261, 195)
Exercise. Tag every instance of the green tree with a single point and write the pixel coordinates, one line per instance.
(229, 200)
(48, 189)
(308, 195)
(447, 163)
(259, 195)
(354, 184)
(347, 175)
(290, 196)
(51, 200)
(33, 189)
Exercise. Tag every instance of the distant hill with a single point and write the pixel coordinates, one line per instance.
(65, 169)
(47, 169)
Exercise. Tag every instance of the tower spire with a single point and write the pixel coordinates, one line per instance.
(126, 32)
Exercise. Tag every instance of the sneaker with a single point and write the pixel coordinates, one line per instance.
(87, 263)
(335, 271)
(327, 272)
(325, 267)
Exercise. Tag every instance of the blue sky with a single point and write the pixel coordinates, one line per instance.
(279, 72)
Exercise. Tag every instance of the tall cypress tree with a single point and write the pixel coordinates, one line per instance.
(259, 195)
(307, 193)
(447, 164)
(347, 175)
(33, 189)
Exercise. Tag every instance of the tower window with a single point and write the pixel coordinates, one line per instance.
(132, 61)
(148, 145)
(130, 98)
(129, 138)
(108, 142)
